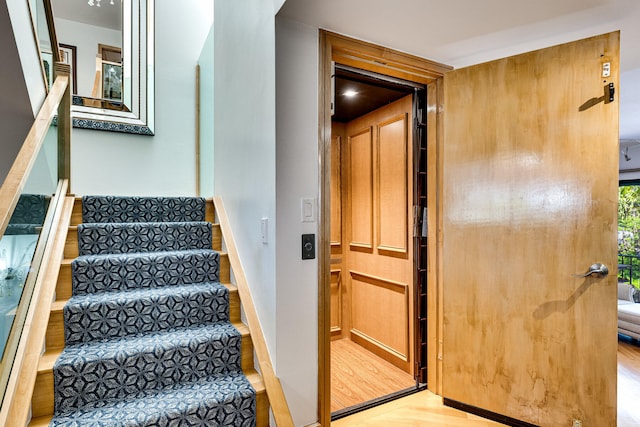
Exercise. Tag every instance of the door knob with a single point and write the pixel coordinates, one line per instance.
(598, 269)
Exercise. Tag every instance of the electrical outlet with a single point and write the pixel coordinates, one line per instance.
(577, 423)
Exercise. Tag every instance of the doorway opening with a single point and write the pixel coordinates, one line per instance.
(336, 48)
(628, 300)
(378, 269)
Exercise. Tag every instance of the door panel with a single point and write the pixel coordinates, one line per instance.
(361, 179)
(530, 197)
(392, 184)
(380, 312)
(336, 302)
(379, 275)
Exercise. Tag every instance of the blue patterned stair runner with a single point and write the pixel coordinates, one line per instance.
(118, 272)
(120, 238)
(142, 209)
(147, 335)
(104, 315)
(218, 401)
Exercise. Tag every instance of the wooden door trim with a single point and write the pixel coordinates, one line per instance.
(393, 63)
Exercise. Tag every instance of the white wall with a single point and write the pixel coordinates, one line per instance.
(296, 177)
(266, 159)
(206, 117)
(164, 164)
(21, 22)
(86, 39)
(244, 141)
(18, 104)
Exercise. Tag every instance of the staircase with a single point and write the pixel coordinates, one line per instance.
(142, 331)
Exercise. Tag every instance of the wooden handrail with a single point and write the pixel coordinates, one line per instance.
(277, 399)
(21, 168)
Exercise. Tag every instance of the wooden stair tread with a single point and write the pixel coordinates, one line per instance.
(242, 328)
(41, 421)
(255, 379)
(47, 360)
(58, 305)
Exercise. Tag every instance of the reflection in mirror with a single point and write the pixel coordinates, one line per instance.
(109, 47)
(18, 244)
(90, 37)
(41, 28)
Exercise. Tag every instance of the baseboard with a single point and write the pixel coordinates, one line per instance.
(486, 414)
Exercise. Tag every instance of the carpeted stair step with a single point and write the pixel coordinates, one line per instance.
(107, 273)
(146, 329)
(222, 400)
(118, 238)
(262, 408)
(64, 287)
(142, 209)
(71, 244)
(89, 373)
(105, 315)
(43, 392)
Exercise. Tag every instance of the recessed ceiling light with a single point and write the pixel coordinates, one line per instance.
(350, 93)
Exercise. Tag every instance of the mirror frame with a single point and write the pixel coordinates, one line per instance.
(138, 48)
(138, 28)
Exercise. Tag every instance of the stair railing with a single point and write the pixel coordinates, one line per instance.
(277, 399)
(40, 172)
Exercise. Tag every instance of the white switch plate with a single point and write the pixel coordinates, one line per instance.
(606, 69)
(308, 209)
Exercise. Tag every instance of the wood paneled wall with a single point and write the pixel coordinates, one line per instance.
(372, 258)
(340, 320)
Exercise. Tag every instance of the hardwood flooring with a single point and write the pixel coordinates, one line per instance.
(426, 409)
(358, 375)
(417, 410)
(628, 383)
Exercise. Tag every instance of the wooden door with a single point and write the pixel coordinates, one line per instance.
(377, 169)
(530, 198)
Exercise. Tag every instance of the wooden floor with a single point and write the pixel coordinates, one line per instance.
(628, 383)
(426, 409)
(358, 375)
(417, 410)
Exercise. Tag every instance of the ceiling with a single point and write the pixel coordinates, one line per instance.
(107, 15)
(369, 93)
(465, 32)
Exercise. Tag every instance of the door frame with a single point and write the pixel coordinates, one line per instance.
(382, 60)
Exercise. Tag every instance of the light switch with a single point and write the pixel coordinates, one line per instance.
(308, 209)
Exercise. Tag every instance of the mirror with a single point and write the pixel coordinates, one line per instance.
(109, 47)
